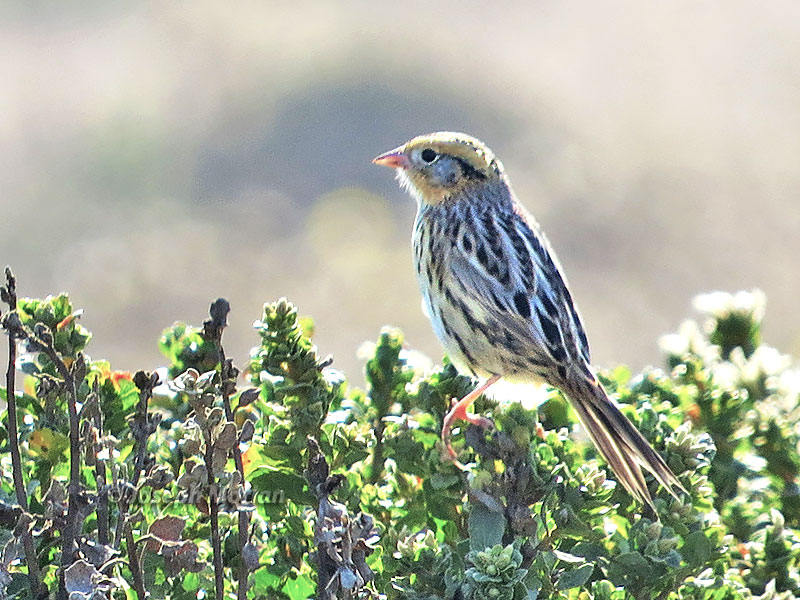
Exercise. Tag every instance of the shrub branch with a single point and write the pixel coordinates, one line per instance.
(9, 294)
(44, 343)
(212, 330)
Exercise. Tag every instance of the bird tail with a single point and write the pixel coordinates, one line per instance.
(620, 443)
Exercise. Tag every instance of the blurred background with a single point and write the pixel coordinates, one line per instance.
(158, 155)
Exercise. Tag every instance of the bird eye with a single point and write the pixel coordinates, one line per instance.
(428, 155)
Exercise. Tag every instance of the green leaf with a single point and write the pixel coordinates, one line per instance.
(190, 581)
(300, 588)
(48, 445)
(575, 577)
(273, 485)
(588, 550)
(533, 585)
(697, 548)
(632, 561)
(263, 580)
(440, 481)
(274, 454)
(486, 527)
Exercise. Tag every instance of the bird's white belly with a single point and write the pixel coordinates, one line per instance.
(438, 310)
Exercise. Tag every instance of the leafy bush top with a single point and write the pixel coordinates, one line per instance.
(187, 484)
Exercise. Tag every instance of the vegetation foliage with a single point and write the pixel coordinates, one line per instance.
(284, 482)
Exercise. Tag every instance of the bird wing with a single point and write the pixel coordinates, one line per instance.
(513, 280)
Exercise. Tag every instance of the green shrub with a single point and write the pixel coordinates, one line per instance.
(188, 483)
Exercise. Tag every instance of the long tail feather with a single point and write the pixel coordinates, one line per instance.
(620, 443)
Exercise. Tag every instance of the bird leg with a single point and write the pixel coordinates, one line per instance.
(459, 413)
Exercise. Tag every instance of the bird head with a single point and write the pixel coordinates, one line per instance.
(443, 165)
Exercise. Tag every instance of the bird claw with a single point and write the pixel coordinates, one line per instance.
(482, 422)
(458, 412)
(450, 454)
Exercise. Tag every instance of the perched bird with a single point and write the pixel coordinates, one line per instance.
(499, 304)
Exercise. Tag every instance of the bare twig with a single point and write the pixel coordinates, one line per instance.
(100, 474)
(212, 330)
(376, 469)
(141, 428)
(41, 340)
(343, 541)
(44, 343)
(9, 293)
(213, 508)
(133, 563)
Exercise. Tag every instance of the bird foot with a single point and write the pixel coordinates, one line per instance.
(458, 412)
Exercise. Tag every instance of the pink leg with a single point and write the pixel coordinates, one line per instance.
(459, 413)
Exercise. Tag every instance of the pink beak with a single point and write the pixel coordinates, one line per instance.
(395, 159)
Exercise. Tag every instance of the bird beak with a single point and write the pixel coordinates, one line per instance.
(395, 159)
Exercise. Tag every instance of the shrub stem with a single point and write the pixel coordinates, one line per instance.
(13, 440)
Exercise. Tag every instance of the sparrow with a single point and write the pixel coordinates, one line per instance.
(498, 301)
